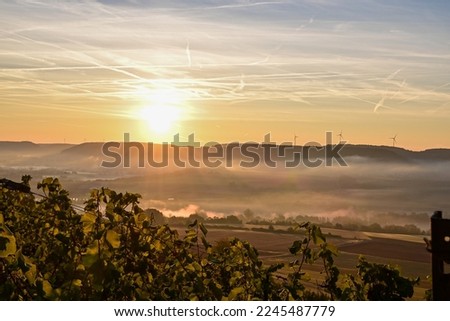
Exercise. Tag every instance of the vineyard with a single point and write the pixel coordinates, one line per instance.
(114, 250)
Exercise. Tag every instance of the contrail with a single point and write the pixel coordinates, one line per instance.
(427, 91)
(392, 76)
(188, 54)
(58, 107)
(48, 44)
(244, 5)
(379, 104)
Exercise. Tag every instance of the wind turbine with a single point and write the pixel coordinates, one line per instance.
(394, 140)
(341, 137)
(295, 139)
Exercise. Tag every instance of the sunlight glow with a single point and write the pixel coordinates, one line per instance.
(162, 109)
(160, 118)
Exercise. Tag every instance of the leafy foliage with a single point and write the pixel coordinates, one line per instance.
(116, 251)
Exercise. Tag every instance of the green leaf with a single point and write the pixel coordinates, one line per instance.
(275, 267)
(62, 238)
(295, 247)
(205, 242)
(203, 228)
(193, 224)
(89, 260)
(304, 225)
(3, 243)
(91, 255)
(252, 253)
(317, 236)
(333, 249)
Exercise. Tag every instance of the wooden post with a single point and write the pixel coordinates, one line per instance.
(440, 248)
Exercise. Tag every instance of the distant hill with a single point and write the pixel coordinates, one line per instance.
(84, 149)
(380, 179)
(440, 154)
(27, 153)
(27, 147)
(30, 148)
(395, 154)
(90, 154)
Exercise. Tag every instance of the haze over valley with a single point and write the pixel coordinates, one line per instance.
(385, 185)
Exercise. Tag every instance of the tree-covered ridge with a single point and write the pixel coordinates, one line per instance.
(116, 251)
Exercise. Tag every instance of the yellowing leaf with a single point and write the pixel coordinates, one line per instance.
(197, 267)
(31, 273)
(333, 249)
(317, 236)
(88, 220)
(190, 267)
(235, 292)
(140, 218)
(92, 248)
(161, 231)
(47, 287)
(113, 238)
(7, 245)
(77, 283)
(138, 280)
(88, 217)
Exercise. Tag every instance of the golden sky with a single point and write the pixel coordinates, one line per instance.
(90, 70)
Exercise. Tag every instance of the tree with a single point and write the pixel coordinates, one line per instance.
(248, 214)
(156, 216)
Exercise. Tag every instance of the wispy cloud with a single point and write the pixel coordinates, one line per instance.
(373, 56)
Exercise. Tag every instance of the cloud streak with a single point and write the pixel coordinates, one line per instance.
(235, 52)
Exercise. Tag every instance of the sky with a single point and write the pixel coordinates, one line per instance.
(75, 71)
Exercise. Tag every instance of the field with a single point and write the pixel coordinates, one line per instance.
(409, 255)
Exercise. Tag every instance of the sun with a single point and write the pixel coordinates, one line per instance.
(160, 118)
(161, 109)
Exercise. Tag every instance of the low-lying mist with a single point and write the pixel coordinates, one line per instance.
(380, 184)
